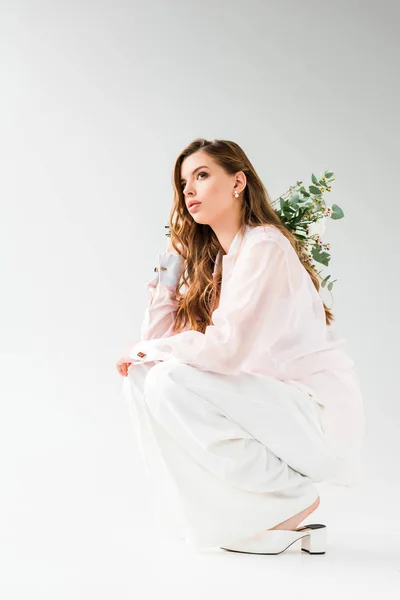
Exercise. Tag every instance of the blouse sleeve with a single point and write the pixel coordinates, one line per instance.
(159, 315)
(256, 309)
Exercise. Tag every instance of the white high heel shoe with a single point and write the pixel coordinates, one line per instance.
(276, 541)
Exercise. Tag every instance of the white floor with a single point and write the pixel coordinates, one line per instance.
(77, 520)
(83, 546)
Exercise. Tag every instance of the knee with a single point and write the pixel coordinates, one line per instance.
(168, 373)
(157, 375)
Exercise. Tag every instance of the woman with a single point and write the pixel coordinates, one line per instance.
(242, 396)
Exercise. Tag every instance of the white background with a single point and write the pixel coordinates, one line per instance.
(97, 99)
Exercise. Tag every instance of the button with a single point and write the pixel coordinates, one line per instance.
(141, 354)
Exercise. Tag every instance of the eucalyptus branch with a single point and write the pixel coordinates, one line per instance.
(304, 211)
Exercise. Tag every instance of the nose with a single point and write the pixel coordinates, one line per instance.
(189, 196)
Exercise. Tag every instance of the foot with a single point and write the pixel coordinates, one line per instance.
(294, 521)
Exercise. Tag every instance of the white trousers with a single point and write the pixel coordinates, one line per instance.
(226, 456)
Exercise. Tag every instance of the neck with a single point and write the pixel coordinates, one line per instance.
(226, 234)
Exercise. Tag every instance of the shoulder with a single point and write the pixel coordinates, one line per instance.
(263, 245)
(269, 236)
(268, 246)
(268, 242)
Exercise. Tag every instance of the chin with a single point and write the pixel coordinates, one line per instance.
(200, 220)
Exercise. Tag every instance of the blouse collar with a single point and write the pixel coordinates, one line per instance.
(233, 248)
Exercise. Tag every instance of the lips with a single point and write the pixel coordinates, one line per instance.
(192, 204)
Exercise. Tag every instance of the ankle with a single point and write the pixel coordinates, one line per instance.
(295, 521)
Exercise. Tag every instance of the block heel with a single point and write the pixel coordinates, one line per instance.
(315, 541)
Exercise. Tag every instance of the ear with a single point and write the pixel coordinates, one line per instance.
(240, 182)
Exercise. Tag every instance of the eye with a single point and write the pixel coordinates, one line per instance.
(199, 173)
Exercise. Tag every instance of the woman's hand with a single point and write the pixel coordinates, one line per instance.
(125, 361)
(123, 365)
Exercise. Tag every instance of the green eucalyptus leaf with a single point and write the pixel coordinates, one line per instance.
(337, 212)
(321, 257)
(294, 199)
(315, 190)
(323, 282)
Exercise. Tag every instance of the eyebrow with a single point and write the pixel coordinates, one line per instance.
(197, 168)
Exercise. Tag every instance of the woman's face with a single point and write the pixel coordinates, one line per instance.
(209, 185)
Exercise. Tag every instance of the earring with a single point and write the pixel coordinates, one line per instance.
(237, 195)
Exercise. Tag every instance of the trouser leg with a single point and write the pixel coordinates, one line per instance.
(253, 431)
(227, 483)
(151, 440)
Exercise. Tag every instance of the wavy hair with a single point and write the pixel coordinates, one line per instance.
(199, 245)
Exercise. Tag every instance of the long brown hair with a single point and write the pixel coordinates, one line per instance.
(200, 245)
